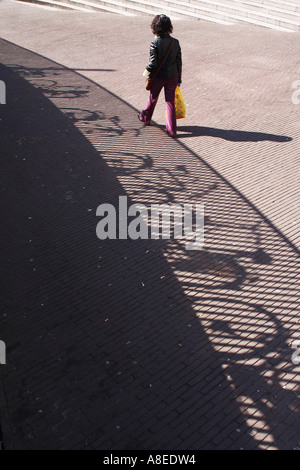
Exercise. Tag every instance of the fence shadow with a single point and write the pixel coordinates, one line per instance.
(133, 344)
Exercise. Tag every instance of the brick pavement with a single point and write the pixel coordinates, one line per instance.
(237, 91)
(135, 344)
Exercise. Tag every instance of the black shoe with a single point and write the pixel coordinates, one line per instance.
(145, 123)
(170, 135)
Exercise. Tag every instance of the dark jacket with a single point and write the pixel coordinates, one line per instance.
(173, 64)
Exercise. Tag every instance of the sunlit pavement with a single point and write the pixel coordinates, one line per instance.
(142, 344)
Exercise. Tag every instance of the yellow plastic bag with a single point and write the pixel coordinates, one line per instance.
(179, 104)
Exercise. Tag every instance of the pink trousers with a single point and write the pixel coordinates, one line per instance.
(169, 86)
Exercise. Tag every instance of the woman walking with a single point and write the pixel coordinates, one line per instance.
(165, 65)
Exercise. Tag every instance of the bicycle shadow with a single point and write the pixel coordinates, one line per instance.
(134, 344)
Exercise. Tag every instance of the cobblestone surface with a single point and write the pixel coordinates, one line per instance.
(141, 344)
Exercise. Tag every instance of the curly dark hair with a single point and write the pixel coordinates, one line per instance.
(161, 25)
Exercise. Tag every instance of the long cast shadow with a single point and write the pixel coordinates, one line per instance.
(123, 344)
(230, 134)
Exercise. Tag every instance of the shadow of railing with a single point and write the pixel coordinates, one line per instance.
(124, 344)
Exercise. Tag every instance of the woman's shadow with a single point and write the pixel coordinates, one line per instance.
(230, 134)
